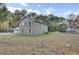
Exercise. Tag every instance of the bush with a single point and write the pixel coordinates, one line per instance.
(56, 27)
(52, 28)
(62, 28)
(46, 33)
(4, 27)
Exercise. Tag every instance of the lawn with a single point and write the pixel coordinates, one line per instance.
(45, 44)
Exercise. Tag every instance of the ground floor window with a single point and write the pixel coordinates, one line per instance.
(29, 30)
(22, 30)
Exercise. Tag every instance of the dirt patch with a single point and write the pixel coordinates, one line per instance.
(51, 44)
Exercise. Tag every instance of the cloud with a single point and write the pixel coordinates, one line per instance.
(49, 11)
(76, 12)
(29, 10)
(71, 12)
(23, 4)
(12, 9)
(43, 12)
(66, 14)
(37, 11)
(34, 10)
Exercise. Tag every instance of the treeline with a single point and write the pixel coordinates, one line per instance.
(8, 19)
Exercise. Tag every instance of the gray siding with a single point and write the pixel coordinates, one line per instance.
(24, 26)
(36, 28)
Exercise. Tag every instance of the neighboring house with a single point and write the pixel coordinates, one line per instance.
(70, 27)
(16, 30)
(28, 25)
(73, 25)
(76, 22)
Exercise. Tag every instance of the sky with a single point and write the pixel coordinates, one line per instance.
(57, 9)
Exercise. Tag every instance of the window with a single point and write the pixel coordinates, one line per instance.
(22, 30)
(29, 23)
(29, 30)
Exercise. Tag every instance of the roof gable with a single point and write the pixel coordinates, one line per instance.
(32, 19)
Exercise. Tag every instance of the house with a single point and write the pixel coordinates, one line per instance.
(70, 26)
(73, 25)
(28, 25)
(16, 30)
(76, 22)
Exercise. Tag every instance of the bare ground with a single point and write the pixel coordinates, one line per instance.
(47, 44)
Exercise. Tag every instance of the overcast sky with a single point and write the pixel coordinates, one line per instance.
(58, 9)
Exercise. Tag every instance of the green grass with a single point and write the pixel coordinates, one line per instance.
(28, 37)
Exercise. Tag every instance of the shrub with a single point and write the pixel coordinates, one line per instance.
(46, 33)
(62, 28)
(4, 27)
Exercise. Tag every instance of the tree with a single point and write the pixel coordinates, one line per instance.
(71, 16)
(61, 19)
(62, 28)
(3, 8)
(23, 12)
(32, 14)
(10, 18)
(5, 17)
(3, 12)
(50, 17)
(17, 15)
(71, 21)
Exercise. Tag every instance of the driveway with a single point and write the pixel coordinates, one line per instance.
(6, 33)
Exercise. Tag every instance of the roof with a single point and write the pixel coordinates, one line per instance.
(40, 22)
(21, 19)
(34, 20)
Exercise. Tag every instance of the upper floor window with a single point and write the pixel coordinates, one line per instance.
(29, 23)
